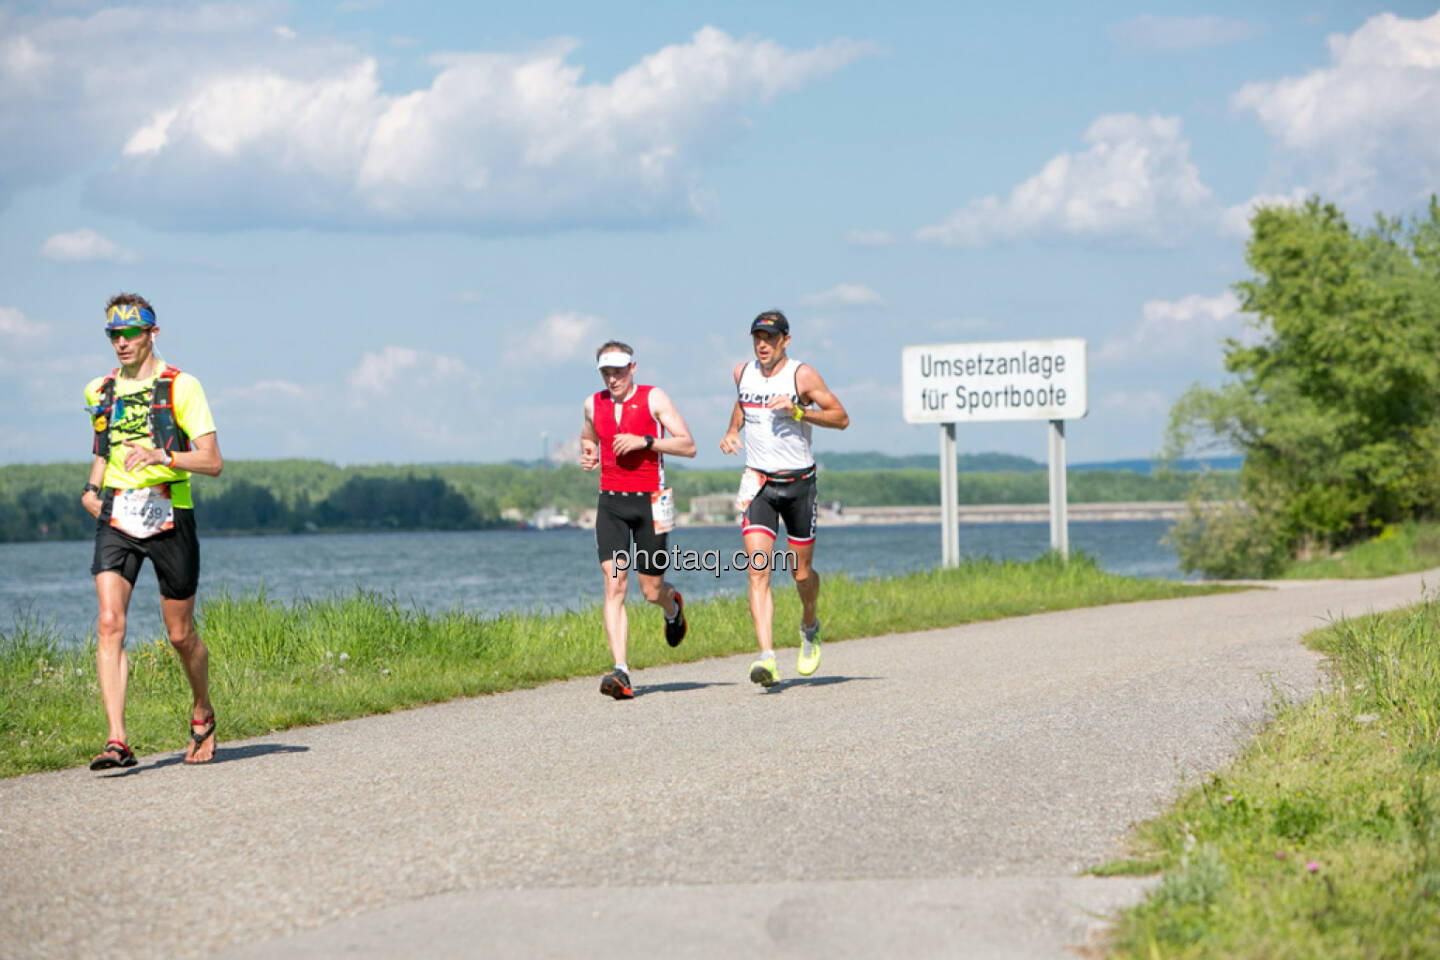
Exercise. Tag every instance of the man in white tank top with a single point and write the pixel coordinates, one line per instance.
(779, 401)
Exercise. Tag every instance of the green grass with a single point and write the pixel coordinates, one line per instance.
(1405, 548)
(1323, 838)
(276, 666)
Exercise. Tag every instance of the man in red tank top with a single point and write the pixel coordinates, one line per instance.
(624, 436)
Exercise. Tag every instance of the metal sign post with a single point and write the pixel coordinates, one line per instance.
(950, 383)
(1059, 518)
(949, 499)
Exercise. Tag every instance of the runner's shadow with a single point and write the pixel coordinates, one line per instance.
(679, 686)
(223, 754)
(813, 682)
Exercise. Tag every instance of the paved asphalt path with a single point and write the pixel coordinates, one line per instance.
(925, 794)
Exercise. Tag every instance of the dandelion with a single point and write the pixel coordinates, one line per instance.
(1313, 866)
(78, 671)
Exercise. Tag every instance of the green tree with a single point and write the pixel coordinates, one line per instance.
(1334, 400)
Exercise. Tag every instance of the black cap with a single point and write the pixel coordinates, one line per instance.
(771, 321)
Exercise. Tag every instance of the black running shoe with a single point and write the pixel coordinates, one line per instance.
(617, 684)
(675, 629)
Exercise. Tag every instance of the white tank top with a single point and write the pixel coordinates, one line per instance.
(774, 439)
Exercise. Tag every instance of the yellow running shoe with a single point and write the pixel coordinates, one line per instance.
(764, 672)
(808, 660)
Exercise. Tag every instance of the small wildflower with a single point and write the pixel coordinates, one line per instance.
(37, 681)
(344, 657)
(385, 672)
(78, 671)
(1229, 798)
(1313, 866)
(329, 654)
(1279, 854)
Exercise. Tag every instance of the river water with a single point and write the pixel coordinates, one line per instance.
(495, 571)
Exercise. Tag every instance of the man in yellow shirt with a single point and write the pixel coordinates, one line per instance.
(152, 430)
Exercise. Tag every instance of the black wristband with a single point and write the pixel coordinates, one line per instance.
(90, 488)
(649, 442)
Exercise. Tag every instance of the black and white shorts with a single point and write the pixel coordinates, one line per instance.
(175, 553)
(792, 502)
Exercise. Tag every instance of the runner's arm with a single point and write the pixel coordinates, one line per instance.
(679, 443)
(202, 457)
(589, 439)
(813, 390)
(730, 443)
(89, 499)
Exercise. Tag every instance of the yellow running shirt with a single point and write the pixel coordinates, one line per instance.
(132, 397)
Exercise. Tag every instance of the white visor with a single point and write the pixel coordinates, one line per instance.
(613, 358)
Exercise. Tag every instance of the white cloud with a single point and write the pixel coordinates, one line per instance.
(1165, 34)
(870, 238)
(85, 245)
(1136, 181)
(1235, 221)
(1367, 127)
(843, 295)
(283, 392)
(499, 141)
(559, 338)
(285, 33)
(62, 97)
(1176, 330)
(377, 372)
(14, 323)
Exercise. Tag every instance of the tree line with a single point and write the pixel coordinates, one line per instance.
(41, 502)
(1333, 396)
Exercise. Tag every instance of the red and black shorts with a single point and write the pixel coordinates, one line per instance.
(175, 553)
(788, 496)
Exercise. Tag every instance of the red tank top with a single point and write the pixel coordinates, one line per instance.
(640, 471)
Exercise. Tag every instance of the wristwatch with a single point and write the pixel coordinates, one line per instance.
(649, 441)
(90, 488)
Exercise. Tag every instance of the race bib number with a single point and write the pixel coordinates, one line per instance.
(662, 510)
(750, 483)
(144, 512)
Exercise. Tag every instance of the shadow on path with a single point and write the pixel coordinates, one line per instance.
(223, 754)
(812, 682)
(679, 686)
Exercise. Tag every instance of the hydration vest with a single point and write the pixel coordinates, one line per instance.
(165, 433)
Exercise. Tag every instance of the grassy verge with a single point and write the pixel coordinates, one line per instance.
(275, 666)
(1323, 838)
(1403, 548)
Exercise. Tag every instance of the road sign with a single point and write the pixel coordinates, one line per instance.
(950, 383)
(1006, 380)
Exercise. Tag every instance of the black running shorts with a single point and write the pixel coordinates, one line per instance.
(175, 553)
(618, 518)
(793, 502)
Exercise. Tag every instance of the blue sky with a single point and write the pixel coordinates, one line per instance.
(384, 232)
